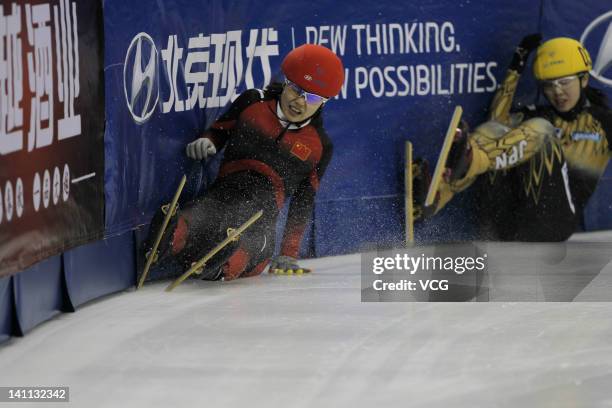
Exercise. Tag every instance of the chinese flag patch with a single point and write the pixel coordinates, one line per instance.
(301, 151)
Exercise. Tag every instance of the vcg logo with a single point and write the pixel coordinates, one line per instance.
(599, 34)
(141, 77)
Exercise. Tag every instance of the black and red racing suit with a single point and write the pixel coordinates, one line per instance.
(266, 161)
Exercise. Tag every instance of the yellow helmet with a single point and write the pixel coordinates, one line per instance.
(561, 57)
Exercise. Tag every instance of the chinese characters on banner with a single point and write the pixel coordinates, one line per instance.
(51, 130)
(205, 74)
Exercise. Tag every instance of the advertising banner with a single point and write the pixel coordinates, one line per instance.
(173, 69)
(51, 129)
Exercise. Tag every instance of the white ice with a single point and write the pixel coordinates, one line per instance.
(309, 341)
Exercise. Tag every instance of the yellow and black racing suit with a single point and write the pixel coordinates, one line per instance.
(536, 168)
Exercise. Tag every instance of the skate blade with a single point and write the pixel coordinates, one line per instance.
(439, 171)
(152, 255)
(409, 204)
(233, 235)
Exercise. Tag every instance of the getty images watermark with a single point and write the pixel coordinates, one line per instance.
(574, 271)
(421, 274)
(411, 265)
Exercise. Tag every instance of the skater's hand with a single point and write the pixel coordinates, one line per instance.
(200, 149)
(530, 42)
(521, 53)
(286, 265)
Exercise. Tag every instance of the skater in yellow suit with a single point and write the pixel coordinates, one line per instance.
(537, 167)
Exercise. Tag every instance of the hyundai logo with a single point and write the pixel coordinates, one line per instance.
(599, 32)
(141, 86)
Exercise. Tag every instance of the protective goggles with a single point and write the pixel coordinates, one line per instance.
(561, 83)
(310, 98)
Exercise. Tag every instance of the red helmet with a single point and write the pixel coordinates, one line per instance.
(315, 69)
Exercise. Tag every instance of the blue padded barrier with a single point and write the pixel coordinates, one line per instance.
(598, 214)
(100, 268)
(336, 234)
(39, 293)
(6, 308)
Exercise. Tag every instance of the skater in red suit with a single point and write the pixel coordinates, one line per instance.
(537, 167)
(275, 149)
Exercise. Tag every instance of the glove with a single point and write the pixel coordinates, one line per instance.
(200, 149)
(286, 265)
(521, 53)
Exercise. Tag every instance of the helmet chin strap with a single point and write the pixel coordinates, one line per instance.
(319, 109)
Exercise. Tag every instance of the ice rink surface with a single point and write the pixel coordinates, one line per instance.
(309, 341)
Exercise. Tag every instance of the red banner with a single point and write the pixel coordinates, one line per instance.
(51, 129)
